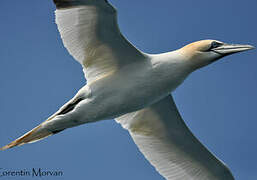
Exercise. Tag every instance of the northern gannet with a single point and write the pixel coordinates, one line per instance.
(134, 88)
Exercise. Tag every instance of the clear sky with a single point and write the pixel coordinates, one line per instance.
(37, 76)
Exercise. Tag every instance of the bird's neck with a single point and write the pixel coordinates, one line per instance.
(173, 62)
(170, 69)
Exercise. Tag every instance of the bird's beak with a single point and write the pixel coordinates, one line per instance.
(227, 49)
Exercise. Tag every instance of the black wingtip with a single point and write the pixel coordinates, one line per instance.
(67, 3)
(72, 3)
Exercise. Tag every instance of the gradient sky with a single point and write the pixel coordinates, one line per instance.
(37, 75)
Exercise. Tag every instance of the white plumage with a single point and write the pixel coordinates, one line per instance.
(134, 88)
(92, 37)
(165, 140)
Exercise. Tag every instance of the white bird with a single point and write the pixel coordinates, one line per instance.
(134, 88)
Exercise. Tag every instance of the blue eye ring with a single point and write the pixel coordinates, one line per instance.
(215, 44)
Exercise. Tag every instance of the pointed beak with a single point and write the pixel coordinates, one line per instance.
(227, 49)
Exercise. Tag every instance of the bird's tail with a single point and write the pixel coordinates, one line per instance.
(36, 134)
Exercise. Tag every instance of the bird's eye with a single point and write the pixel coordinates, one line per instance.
(215, 44)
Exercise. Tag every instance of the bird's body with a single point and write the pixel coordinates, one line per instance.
(140, 90)
(134, 88)
(105, 98)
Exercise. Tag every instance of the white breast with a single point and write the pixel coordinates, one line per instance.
(146, 83)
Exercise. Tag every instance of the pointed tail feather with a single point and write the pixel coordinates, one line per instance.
(36, 134)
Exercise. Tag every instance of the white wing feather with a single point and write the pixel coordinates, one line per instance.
(165, 140)
(90, 33)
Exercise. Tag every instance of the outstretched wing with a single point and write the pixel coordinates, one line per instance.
(90, 32)
(165, 140)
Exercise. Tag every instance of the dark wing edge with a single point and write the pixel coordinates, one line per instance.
(60, 4)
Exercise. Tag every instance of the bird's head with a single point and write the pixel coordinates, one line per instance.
(202, 53)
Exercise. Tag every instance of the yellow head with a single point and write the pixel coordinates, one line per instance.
(202, 53)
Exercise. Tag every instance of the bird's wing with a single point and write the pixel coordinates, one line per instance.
(165, 140)
(90, 32)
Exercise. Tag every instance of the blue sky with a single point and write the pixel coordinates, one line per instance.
(38, 76)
